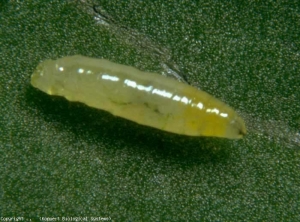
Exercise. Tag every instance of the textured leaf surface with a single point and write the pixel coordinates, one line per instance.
(65, 159)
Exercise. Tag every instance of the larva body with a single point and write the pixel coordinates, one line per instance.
(146, 98)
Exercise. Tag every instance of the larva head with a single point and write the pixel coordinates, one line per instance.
(52, 76)
(43, 76)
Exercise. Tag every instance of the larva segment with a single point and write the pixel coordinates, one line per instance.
(146, 98)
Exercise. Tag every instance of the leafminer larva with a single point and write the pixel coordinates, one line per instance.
(146, 98)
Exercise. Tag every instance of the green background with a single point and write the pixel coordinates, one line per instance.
(65, 159)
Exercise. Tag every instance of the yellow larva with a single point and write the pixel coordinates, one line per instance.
(146, 98)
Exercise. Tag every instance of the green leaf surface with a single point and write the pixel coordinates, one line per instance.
(62, 159)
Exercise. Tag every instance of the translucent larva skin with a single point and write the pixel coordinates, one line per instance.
(146, 98)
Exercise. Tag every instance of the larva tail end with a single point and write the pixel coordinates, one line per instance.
(242, 132)
(236, 129)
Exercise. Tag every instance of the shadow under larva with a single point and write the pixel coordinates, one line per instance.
(96, 127)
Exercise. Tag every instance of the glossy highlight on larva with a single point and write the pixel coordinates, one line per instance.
(146, 98)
